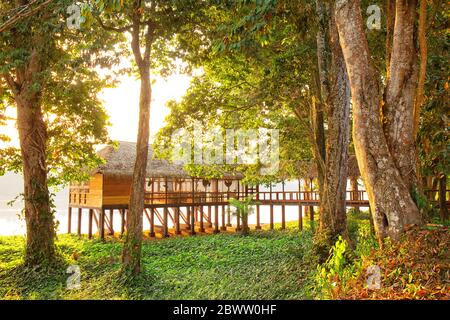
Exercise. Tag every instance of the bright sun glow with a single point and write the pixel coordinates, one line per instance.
(121, 104)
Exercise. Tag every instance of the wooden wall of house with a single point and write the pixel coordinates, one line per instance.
(88, 194)
(116, 190)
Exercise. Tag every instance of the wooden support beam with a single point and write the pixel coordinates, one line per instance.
(202, 225)
(238, 220)
(111, 220)
(192, 216)
(165, 222)
(224, 226)
(229, 217)
(177, 220)
(216, 219)
(80, 212)
(69, 220)
(90, 219)
(300, 217)
(152, 222)
(258, 214)
(122, 221)
(210, 214)
(271, 216)
(102, 224)
(188, 216)
(193, 223)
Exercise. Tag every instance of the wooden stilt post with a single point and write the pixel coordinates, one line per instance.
(177, 220)
(224, 226)
(193, 224)
(111, 221)
(300, 217)
(271, 209)
(238, 220)
(165, 226)
(122, 221)
(228, 184)
(188, 217)
(258, 214)
(69, 221)
(102, 224)
(209, 216)
(90, 218)
(229, 217)
(80, 212)
(216, 209)
(192, 216)
(152, 222)
(202, 225)
(216, 219)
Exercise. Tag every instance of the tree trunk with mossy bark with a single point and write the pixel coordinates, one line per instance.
(398, 109)
(131, 256)
(39, 216)
(391, 203)
(333, 220)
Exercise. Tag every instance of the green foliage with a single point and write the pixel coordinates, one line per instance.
(244, 207)
(332, 271)
(68, 84)
(433, 139)
(344, 263)
(264, 265)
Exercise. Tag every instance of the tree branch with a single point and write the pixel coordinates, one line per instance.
(111, 28)
(22, 15)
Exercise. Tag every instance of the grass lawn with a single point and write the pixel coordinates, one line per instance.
(264, 265)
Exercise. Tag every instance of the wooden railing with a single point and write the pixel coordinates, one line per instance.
(187, 197)
(78, 194)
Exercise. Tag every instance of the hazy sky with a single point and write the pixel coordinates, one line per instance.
(121, 104)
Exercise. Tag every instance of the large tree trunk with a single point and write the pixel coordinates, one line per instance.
(317, 115)
(40, 248)
(131, 257)
(133, 241)
(391, 203)
(333, 220)
(38, 212)
(398, 110)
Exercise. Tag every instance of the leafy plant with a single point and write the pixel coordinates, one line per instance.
(244, 208)
(331, 275)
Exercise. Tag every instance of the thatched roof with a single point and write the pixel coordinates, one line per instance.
(121, 161)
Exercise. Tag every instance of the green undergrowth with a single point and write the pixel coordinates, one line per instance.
(263, 265)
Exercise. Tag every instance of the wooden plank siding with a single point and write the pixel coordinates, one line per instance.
(87, 195)
(116, 190)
